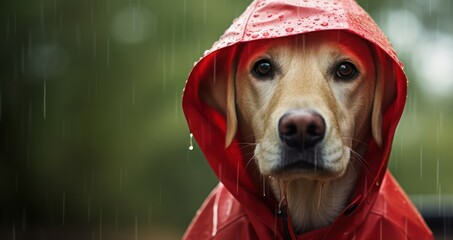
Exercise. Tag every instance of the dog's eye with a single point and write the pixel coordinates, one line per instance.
(346, 70)
(263, 69)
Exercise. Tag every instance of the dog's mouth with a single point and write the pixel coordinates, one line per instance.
(300, 164)
(309, 164)
(303, 168)
(294, 162)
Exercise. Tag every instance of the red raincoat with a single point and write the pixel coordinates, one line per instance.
(237, 209)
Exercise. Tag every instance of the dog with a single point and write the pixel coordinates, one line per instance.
(295, 109)
(305, 107)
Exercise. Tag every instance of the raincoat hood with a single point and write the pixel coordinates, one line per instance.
(237, 207)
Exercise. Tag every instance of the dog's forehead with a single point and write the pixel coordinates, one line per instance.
(324, 42)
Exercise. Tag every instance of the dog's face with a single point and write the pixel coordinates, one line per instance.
(306, 101)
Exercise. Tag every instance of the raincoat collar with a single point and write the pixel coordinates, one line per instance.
(266, 19)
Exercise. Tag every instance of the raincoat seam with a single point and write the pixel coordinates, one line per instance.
(394, 224)
(228, 223)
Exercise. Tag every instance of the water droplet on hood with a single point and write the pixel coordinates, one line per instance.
(290, 29)
(324, 24)
(265, 34)
(256, 15)
(281, 16)
(255, 35)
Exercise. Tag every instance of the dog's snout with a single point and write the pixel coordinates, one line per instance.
(301, 129)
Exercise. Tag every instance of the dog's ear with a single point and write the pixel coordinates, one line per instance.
(384, 94)
(219, 90)
(231, 117)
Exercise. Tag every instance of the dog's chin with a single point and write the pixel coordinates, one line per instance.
(303, 169)
(304, 173)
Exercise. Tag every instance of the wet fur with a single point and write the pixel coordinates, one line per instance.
(351, 111)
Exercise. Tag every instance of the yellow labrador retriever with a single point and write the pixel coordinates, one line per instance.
(307, 105)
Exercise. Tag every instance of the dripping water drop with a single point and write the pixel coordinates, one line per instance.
(190, 142)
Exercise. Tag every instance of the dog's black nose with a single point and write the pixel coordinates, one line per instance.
(301, 129)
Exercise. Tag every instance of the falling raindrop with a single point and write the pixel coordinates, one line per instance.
(150, 211)
(437, 175)
(190, 142)
(441, 121)
(164, 69)
(64, 206)
(22, 60)
(440, 200)
(94, 46)
(14, 230)
(60, 23)
(108, 51)
(136, 227)
(421, 162)
(160, 195)
(116, 217)
(133, 92)
(89, 208)
(44, 98)
(100, 224)
(121, 178)
(0, 106)
(42, 15)
(7, 29)
(204, 12)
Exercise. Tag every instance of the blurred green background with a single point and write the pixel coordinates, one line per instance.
(93, 142)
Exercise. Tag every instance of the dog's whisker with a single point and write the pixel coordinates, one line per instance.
(282, 186)
(245, 145)
(356, 173)
(356, 140)
(320, 194)
(360, 160)
(359, 157)
(247, 164)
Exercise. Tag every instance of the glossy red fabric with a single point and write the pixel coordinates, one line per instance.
(237, 208)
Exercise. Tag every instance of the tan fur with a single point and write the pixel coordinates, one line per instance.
(351, 110)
